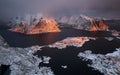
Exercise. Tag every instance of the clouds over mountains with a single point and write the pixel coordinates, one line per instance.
(16, 7)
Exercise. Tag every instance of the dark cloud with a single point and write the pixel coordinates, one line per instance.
(10, 8)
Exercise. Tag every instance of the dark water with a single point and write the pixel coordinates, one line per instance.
(22, 40)
(4, 70)
(67, 56)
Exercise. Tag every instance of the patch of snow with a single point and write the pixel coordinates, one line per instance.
(64, 66)
(118, 37)
(86, 17)
(46, 59)
(114, 54)
(46, 71)
(108, 64)
(109, 38)
(115, 33)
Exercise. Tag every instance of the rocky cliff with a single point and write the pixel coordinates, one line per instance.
(99, 27)
(44, 25)
(83, 22)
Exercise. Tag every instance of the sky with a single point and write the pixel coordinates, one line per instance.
(12, 8)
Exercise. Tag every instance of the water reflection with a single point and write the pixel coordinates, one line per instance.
(23, 40)
(45, 38)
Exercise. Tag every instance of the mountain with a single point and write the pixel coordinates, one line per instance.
(45, 25)
(83, 22)
(35, 25)
(74, 21)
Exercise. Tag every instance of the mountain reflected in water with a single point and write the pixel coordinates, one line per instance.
(23, 40)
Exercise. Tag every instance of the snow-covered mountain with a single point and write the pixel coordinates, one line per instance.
(84, 22)
(34, 24)
(28, 19)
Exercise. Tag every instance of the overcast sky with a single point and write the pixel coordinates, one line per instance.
(9, 8)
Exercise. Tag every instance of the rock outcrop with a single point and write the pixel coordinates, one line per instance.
(44, 25)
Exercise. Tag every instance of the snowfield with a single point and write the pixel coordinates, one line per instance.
(22, 61)
(108, 64)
